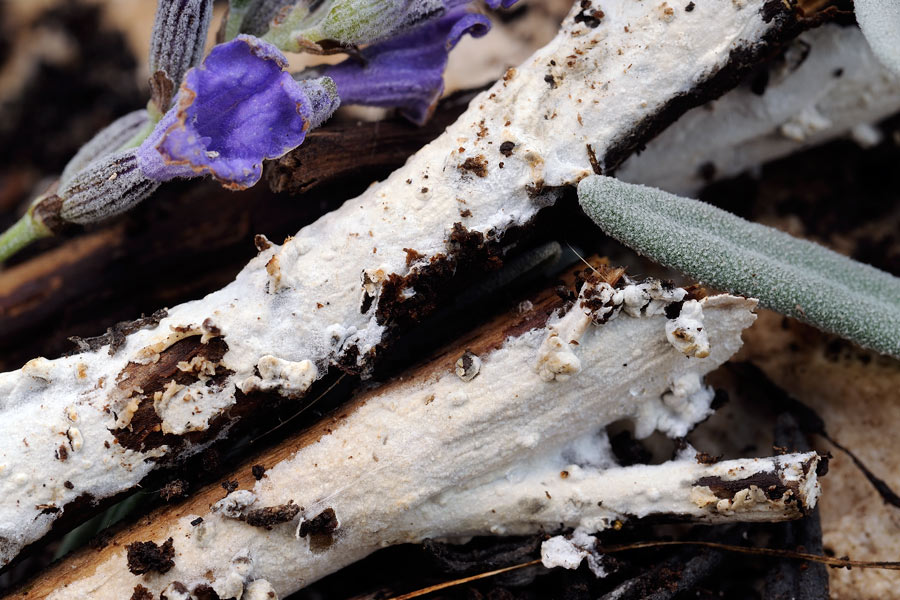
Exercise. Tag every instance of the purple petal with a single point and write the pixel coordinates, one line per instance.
(407, 72)
(493, 4)
(236, 110)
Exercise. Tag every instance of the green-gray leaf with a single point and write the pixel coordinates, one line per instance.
(792, 276)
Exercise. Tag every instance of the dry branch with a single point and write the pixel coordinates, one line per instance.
(519, 448)
(94, 424)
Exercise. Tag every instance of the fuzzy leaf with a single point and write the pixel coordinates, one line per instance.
(792, 276)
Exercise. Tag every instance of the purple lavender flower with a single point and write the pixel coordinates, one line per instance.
(408, 72)
(237, 109)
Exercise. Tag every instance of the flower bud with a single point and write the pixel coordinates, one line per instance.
(179, 36)
(259, 14)
(107, 187)
(349, 22)
(110, 139)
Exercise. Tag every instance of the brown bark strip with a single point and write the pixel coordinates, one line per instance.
(352, 149)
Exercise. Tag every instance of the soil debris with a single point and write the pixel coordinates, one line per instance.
(325, 523)
(146, 557)
(273, 515)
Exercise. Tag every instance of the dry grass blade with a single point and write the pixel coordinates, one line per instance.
(774, 552)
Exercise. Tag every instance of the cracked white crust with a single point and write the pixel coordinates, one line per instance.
(301, 301)
(437, 456)
(829, 84)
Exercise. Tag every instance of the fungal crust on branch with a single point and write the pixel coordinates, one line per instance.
(616, 82)
(507, 452)
(827, 84)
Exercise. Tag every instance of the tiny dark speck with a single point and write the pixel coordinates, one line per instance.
(689, 7)
(506, 148)
(197, 521)
(551, 80)
(707, 171)
(838, 72)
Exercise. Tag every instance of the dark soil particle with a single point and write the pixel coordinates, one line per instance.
(174, 489)
(325, 523)
(146, 557)
(592, 17)
(476, 165)
(506, 148)
(196, 521)
(258, 471)
(707, 459)
(205, 592)
(229, 485)
(273, 515)
(412, 256)
(178, 587)
(141, 593)
(673, 310)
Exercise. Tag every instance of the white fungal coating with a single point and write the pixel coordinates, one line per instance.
(234, 504)
(307, 299)
(289, 378)
(260, 590)
(521, 454)
(880, 22)
(569, 551)
(600, 303)
(685, 332)
(827, 84)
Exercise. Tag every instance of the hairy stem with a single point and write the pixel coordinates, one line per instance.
(25, 231)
